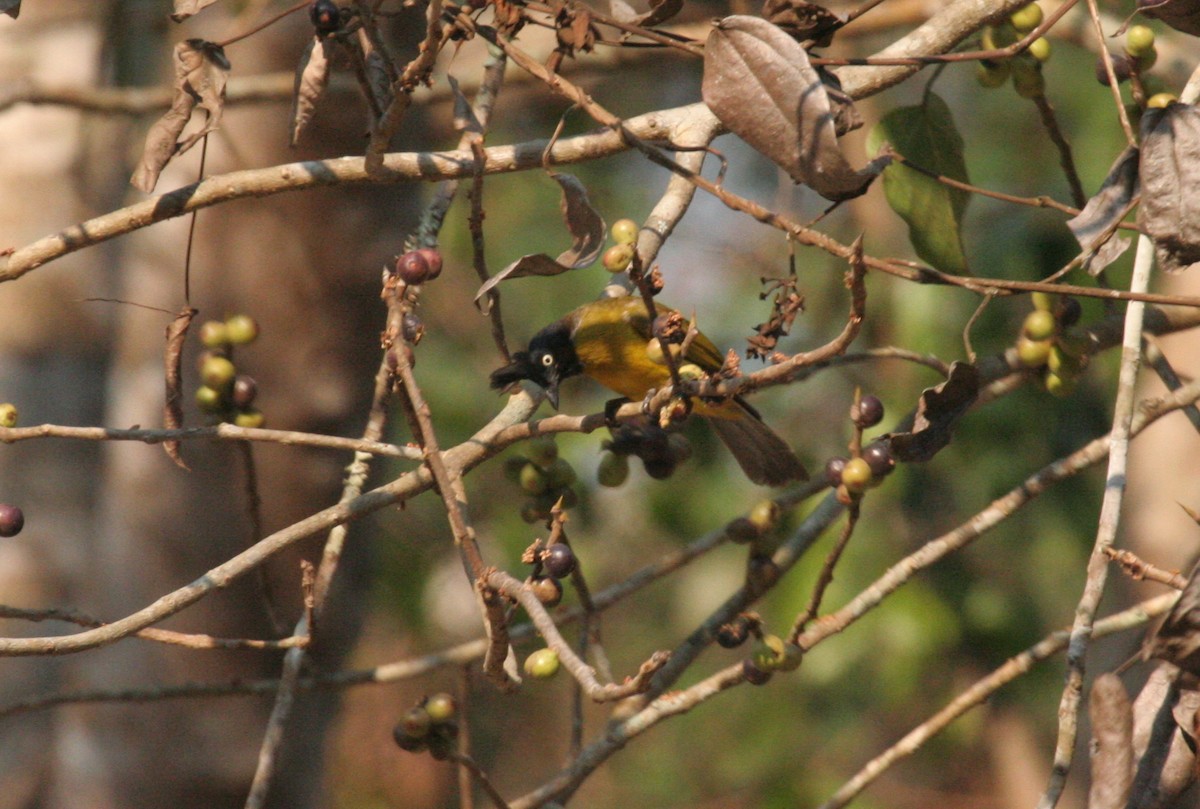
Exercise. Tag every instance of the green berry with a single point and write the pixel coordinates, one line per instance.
(1039, 325)
(1044, 301)
(769, 652)
(209, 400)
(613, 470)
(441, 707)
(250, 418)
(242, 329)
(218, 373)
(618, 258)
(8, 415)
(560, 474)
(792, 657)
(1139, 41)
(1033, 353)
(856, 475)
(1059, 385)
(1040, 49)
(213, 334)
(543, 450)
(1061, 363)
(533, 479)
(624, 231)
(1027, 18)
(765, 515)
(992, 74)
(542, 664)
(1160, 101)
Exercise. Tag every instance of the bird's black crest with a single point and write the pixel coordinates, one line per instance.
(520, 368)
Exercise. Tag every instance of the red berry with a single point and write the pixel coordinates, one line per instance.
(413, 268)
(433, 257)
(12, 520)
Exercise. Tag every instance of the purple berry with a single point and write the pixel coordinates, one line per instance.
(12, 520)
(559, 560)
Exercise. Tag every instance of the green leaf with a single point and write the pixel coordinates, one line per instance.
(926, 136)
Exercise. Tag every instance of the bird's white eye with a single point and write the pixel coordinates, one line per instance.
(547, 360)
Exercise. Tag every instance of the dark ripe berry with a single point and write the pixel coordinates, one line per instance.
(559, 560)
(245, 389)
(833, 471)
(218, 373)
(1122, 68)
(659, 469)
(441, 707)
(742, 531)
(879, 457)
(753, 674)
(410, 744)
(733, 634)
(441, 739)
(12, 520)
(547, 590)
(560, 474)
(213, 334)
(325, 16)
(242, 330)
(870, 412)
(1068, 311)
(416, 722)
(413, 268)
(613, 470)
(411, 328)
(542, 664)
(433, 257)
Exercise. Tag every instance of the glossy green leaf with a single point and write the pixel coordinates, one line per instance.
(926, 136)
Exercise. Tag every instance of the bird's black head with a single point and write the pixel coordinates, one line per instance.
(550, 359)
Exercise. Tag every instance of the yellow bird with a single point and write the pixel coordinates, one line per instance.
(607, 341)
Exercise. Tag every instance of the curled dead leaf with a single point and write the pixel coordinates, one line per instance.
(760, 85)
(186, 8)
(1170, 176)
(660, 11)
(1177, 639)
(1095, 226)
(806, 22)
(1182, 15)
(312, 76)
(938, 410)
(173, 362)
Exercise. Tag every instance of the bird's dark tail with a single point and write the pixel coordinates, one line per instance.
(764, 456)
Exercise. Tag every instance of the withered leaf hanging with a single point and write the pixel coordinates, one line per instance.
(1177, 640)
(938, 410)
(1095, 226)
(201, 71)
(660, 11)
(312, 76)
(172, 361)
(186, 8)
(11, 7)
(803, 21)
(759, 83)
(587, 231)
(1170, 177)
(378, 82)
(1182, 15)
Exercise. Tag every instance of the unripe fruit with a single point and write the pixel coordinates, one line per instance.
(8, 415)
(252, 419)
(412, 268)
(999, 36)
(870, 412)
(416, 722)
(1044, 301)
(548, 590)
(560, 474)
(245, 390)
(1027, 18)
(241, 330)
(765, 515)
(1039, 325)
(856, 475)
(992, 74)
(441, 707)
(213, 334)
(559, 560)
(1074, 342)
(753, 674)
(792, 657)
(12, 520)
(1033, 353)
(433, 258)
(209, 400)
(1059, 385)
(742, 531)
(624, 231)
(768, 652)
(1139, 41)
(618, 258)
(1160, 101)
(1061, 363)
(542, 664)
(1040, 49)
(532, 511)
(1029, 83)
(533, 479)
(218, 373)
(613, 470)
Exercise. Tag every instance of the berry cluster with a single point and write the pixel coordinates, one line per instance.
(12, 519)
(866, 467)
(618, 257)
(556, 562)
(1139, 55)
(418, 266)
(770, 653)
(225, 394)
(544, 477)
(1051, 342)
(661, 451)
(1025, 69)
(429, 725)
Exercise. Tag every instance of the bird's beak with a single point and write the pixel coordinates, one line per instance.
(552, 393)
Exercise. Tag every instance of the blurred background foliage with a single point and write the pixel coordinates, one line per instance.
(792, 742)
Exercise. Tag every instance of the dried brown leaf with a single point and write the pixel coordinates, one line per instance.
(1112, 743)
(1095, 226)
(759, 83)
(312, 76)
(1182, 15)
(574, 30)
(1170, 177)
(1177, 639)
(11, 7)
(201, 71)
(186, 8)
(379, 83)
(464, 114)
(587, 229)
(803, 21)
(660, 11)
(173, 362)
(938, 410)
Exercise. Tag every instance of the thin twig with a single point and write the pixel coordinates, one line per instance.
(1065, 158)
(468, 765)
(825, 577)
